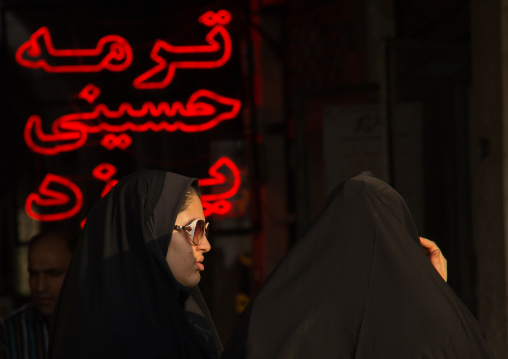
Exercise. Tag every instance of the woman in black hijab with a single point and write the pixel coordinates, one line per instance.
(357, 285)
(130, 291)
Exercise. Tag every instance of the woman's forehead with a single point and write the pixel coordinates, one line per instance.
(193, 211)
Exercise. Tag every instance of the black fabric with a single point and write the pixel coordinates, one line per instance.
(357, 285)
(119, 298)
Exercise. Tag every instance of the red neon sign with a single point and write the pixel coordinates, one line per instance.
(70, 132)
(58, 198)
(111, 141)
(105, 172)
(51, 198)
(112, 53)
(89, 93)
(161, 49)
(217, 203)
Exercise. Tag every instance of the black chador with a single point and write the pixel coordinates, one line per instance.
(357, 285)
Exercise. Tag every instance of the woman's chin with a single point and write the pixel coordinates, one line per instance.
(192, 281)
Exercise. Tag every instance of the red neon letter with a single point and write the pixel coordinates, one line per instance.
(112, 53)
(217, 202)
(48, 198)
(73, 129)
(104, 172)
(162, 49)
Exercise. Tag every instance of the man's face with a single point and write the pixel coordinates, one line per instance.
(48, 260)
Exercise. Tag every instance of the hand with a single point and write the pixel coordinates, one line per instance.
(436, 257)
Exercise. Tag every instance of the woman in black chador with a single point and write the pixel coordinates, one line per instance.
(131, 290)
(357, 285)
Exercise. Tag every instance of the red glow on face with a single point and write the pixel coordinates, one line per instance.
(217, 203)
(70, 132)
(51, 198)
(162, 50)
(112, 53)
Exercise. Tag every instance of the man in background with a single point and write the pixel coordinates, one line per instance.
(24, 333)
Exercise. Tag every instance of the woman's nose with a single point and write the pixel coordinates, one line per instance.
(205, 246)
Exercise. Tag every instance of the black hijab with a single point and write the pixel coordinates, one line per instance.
(120, 299)
(357, 285)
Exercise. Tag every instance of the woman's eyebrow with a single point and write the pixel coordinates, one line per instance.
(192, 220)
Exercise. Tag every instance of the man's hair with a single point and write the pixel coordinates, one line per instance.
(68, 238)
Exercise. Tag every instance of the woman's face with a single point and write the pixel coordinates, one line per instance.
(184, 259)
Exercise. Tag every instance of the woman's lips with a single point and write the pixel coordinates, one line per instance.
(200, 266)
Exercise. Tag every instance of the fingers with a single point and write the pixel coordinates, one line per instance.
(428, 245)
(436, 257)
(439, 262)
